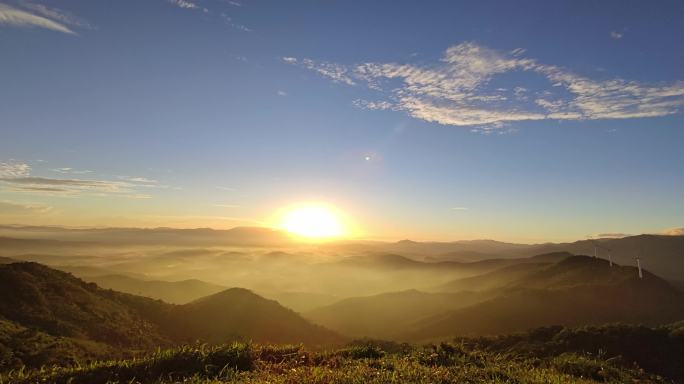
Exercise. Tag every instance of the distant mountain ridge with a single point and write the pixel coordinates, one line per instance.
(60, 236)
(388, 315)
(662, 254)
(174, 292)
(549, 289)
(576, 291)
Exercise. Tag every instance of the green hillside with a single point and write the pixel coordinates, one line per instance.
(49, 316)
(58, 304)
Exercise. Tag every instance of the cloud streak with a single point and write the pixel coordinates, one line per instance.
(461, 90)
(17, 177)
(10, 208)
(674, 231)
(184, 4)
(46, 19)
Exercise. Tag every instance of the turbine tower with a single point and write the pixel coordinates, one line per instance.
(638, 261)
(598, 246)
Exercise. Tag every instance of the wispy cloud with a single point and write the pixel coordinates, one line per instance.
(229, 189)
(460, 90)
(10, 208)
(138, 179)
(73, 185)
(616, 35)
(14, 169)
(69, 170)
(35, 16)
(335, 72)
(609, 235)
(459, 208)
(184, 4)
(281, 93)
(230, 22)
(58, 15)
(17, 177)
(372, 105)
(674, 231)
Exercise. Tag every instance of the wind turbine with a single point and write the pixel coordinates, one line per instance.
(638, 261)
(596, 248)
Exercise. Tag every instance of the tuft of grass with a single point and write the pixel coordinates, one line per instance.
(457, 362)
(198, 361)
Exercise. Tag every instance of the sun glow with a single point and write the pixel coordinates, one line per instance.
(313, 221)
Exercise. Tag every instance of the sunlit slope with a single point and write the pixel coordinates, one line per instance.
(59, 304)
(578, 290)
(69, 318)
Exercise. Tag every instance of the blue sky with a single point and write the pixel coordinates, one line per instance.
(522, 121)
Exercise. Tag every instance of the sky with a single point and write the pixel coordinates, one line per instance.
(523, 121)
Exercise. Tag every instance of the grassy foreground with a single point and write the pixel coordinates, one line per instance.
(366, 362)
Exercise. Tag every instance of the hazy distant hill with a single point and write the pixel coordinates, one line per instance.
(301, 301)
(492, 280)
(393, 262)
(388, 315)
(176, 292)
(578, 290)
(504, 276)
(49, 314)
(239, 314)
(662, 255)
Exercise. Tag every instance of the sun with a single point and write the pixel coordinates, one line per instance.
(314, 221)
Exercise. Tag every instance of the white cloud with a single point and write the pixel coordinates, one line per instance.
(20, 18)
(336, 72)
(282, 93)
(142, 180)
(184, 4)
(69, 170)
(14, 169)
(616, 35)
(459, 208)
(372, 105)
(460, 90)
(61, 16)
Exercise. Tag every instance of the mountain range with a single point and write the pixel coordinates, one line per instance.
(572, 290)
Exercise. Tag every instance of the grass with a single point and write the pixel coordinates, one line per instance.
(364, 362)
